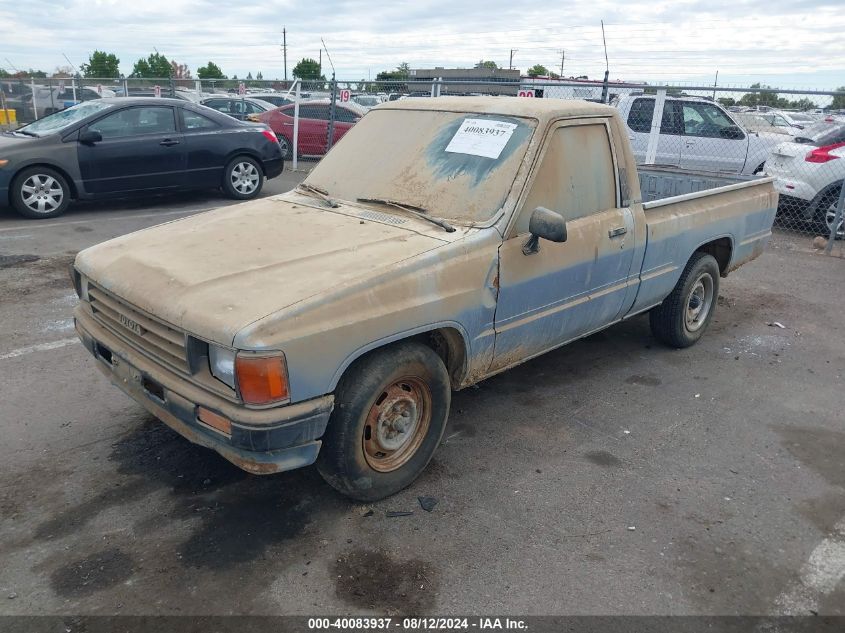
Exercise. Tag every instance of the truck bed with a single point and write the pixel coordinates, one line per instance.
(686, 209)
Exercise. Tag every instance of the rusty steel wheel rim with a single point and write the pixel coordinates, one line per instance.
(397, 424)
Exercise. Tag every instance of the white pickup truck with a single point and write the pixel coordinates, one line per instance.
(442, 241)
(693, 133)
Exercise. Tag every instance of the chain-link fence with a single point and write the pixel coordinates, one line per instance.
(797, 137)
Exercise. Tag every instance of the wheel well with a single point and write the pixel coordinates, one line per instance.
(73, 193)
(721, 250)
(449, 345)
(446, 342)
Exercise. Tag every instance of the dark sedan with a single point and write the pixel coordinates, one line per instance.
(128, 146)
(238, 107)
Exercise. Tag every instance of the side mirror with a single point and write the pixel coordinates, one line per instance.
(89, 137)
(547, 224)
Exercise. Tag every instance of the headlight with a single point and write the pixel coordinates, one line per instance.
(80, 283)
(222, 363)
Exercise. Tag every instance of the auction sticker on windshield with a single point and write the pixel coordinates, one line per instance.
(481, 137)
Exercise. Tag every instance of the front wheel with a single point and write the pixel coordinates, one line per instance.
(390, 412)
(685, 314)
(40, 192)
(243, 178)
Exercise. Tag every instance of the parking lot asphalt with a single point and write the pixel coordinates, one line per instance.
(613, 476)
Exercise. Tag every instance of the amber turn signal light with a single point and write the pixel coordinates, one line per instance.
(262, 379)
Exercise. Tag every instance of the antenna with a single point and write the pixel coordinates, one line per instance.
(604, 88)
(72, 65)
(327, 55)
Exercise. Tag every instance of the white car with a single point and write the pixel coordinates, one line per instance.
(695, 134)
(809, 172)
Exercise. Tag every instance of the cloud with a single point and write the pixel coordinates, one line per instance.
(795, 42)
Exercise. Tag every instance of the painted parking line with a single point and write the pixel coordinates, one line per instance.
(40, 347)
(820, 575)
(99, 220)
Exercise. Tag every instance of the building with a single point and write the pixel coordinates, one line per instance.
(464, 81)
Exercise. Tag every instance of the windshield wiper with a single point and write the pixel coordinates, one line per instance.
(415, 211)
(323, 195)
(27, 133)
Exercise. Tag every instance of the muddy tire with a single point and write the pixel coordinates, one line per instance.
(40, 193)
(243, 178)
(390, 412)
(685, 314)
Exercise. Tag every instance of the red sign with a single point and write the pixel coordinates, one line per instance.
(525, 93)
(242, 88)
(157, 91)
(345, 95)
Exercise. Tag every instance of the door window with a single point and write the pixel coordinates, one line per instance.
(345, 116)
(642, 113)
(704, 119)
(576, 177)
(136, 122)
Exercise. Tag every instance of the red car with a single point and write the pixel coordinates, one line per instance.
(313, 125)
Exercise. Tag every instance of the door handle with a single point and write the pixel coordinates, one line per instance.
(615, 232)
(168, 142)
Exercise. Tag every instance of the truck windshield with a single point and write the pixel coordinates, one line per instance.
(459, 166)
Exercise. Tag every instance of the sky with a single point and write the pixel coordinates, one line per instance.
(782, 43)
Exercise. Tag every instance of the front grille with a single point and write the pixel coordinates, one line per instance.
(144, 332)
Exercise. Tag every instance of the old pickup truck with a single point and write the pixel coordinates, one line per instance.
(442, 241)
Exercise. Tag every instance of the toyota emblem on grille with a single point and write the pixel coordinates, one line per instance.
(128, 323)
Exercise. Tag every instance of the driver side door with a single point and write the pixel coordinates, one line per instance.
(711, 140)
(569, 289)
(141, 150)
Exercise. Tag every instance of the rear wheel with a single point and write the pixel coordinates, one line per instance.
(285, 145)
(390, 412)
(827, 215)
(243, 178)
(40, 192)
(685, 314)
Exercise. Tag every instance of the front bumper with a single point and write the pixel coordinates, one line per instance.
(262, 441)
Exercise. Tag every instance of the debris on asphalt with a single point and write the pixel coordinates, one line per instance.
(369, 513)
(819, 242)
(626, 432)
(12, 596)
(776, 324)
(632, 528)
(427, 503)
(698, 395)
(398, 513)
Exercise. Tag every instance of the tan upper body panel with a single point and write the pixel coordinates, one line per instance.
(216, 272)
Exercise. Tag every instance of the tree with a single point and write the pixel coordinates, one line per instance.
(179, 71)
(155, 66)
(210, 71)
(727, 101)
(487, 64)
(753, 99)
(839, 100)
(63, 72)
(249, 76)
(308, 68)
(538, 70)
(101, 64)
(259, 76)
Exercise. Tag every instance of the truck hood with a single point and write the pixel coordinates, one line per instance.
(214, 273)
